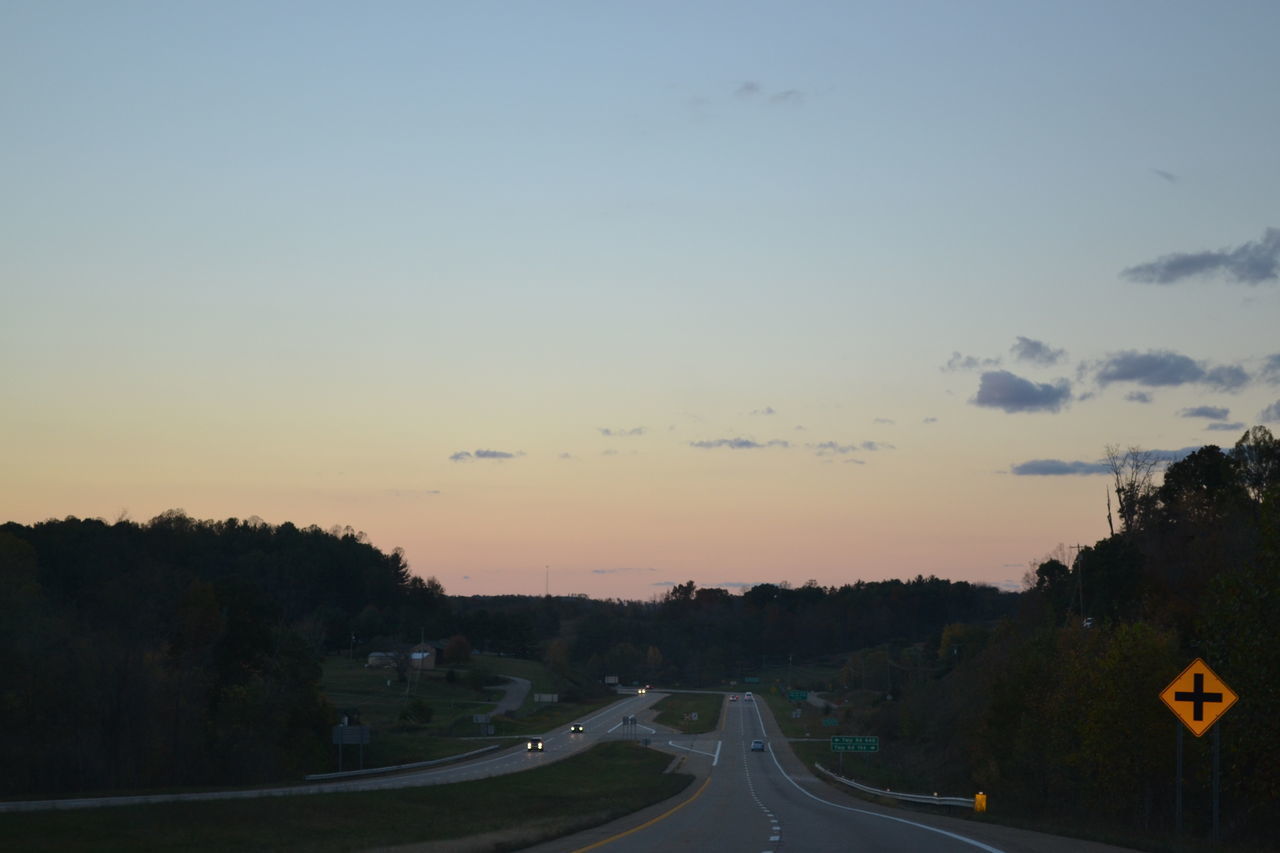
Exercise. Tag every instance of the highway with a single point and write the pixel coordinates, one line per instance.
(767, 801)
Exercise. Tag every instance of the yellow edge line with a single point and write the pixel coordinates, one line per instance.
(647, 823)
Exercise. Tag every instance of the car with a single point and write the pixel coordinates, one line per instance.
(577, 729)
(757, 745)
(640, 690)
(534, 744)
(749, 697)
(733, 697)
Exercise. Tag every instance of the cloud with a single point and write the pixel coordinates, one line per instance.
(1271, 369)
(1168, 176)
(1138, 397)
(1037, 352)
(620, 571)
(930, 420)
(411, 493)
(1153, 368)
(565, 456)
(1163, 368)
(1270, 414)
(1228, 377)
(622, 433)
(883, 421)
(1250, 263)
(767, 410)
(792, 97)
(1213, 413)
(826, 448)
(748, 89)
(467, 456)
(1000, 389)
(739, 443)
(968, 362)
(1233, 426)
(1058, 468)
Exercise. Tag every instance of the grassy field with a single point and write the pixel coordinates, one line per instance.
(676, 709)
(380, 699)
(604, 783)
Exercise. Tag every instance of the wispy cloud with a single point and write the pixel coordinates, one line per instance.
(888, 421)
(1213, 413)
(968, 362)
(1036, 352)
(1000, 389)
(622, 433)
(930, 420)
(1249, 263)
(1270, 414)
(1234, 426)
(411, 493)
(626, 570)
(739, 443)
(1058, 468)
(1168, 176)
(467, 456)
(1138, 397)
(1271, 369)
(767, 410)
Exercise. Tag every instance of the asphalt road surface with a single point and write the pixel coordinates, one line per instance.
(768, 801)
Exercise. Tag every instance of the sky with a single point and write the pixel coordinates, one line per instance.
(600, 297)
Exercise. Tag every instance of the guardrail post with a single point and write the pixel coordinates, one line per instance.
(979, 802)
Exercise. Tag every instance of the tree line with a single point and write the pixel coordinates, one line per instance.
(180, 651)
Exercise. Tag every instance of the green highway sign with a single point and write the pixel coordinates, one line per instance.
(798, 695)
(751, 679)
(855, 743)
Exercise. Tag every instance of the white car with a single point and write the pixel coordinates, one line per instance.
(757, 745)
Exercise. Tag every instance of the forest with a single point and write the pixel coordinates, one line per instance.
(180, 651)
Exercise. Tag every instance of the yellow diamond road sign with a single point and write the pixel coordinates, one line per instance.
(1198, 697)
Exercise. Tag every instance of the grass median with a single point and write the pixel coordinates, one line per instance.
(691, 713)
(605, 782)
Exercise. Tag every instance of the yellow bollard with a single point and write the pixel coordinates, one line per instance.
(980, 802)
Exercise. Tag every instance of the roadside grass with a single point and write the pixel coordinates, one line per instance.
(605, 782)
(677, 709)
(380, 699)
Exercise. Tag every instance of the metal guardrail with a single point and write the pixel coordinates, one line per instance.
(934, 799)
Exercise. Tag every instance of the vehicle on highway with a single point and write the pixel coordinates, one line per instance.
(533, 744)
(733, 697)
(577, 729)
(640, 690)
(749, 697)
(757, 745)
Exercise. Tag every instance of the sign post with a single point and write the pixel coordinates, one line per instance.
(1198, 697)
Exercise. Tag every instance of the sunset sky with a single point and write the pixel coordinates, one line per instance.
(599, 297)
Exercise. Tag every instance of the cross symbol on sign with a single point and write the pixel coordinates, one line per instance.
(1198, 697)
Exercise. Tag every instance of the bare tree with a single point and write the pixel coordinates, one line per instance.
(1257, 459)
(1132, 472)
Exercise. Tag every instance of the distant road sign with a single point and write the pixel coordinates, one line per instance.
(350, 734)
(855, 743)
(1198, 697)
(830, 721)
(798, 695)
(751, 679)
